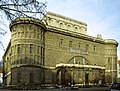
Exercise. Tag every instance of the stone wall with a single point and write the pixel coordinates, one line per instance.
(26, 48)
(35, 49)
(65, 23)
(27, 75)
(58, 50)
(111, 60)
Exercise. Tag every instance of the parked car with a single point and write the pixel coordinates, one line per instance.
(71, 88)
(115, 86)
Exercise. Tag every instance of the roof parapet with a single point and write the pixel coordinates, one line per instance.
(111, 41)
(23, 20)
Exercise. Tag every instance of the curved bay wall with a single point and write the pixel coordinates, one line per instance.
(27, 51)
(27, 41)
(111, 60)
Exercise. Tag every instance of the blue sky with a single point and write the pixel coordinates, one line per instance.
(102, 16)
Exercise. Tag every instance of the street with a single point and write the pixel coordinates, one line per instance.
(80, 89)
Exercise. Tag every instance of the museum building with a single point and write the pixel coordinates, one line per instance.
(56, 50)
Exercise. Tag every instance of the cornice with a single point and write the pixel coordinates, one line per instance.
(27, 20)
(62, 65)
(75, 34)
(67, 18)
(111, 41)
(32, 65)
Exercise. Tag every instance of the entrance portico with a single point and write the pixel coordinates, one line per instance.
(76, 72)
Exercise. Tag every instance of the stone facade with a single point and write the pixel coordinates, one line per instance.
(57, 50)
(25, 54)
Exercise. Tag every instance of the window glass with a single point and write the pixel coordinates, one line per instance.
(87, 47)
(70, 43)
(31, 48)
(18, 77)
(60, 42)
(31, 78)
(18, 50)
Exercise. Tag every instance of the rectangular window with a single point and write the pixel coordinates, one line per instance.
(42, 35)
(70, 43)
(41, 60)
(18, 77)
(38, 59)
(87, 47)
(18, 49)
(31, 78)
(60, 42)
(20, 60)
(41, 51)
(79, 45)
(109, 59)
(38, 50)
(34, 34)
(94, 48)
(40, 78)
(31, 48)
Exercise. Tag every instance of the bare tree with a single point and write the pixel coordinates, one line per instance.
(12, 9)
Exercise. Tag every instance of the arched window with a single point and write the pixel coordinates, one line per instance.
(78, 60)
(61, 24)
(76, 28)
(69, 26)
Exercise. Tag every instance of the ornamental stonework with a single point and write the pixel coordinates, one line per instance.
(57, 50)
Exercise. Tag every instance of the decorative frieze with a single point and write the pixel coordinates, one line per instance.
(79, 51)
(65, 23)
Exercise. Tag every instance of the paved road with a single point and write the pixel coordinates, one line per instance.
(80, 89)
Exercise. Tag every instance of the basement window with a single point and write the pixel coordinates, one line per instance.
(31, 78)
(18, 77)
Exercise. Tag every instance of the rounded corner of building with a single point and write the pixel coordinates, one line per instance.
(111, 41)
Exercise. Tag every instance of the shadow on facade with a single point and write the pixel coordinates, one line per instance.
(26, 74)
(71, 76)
(32, 74)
